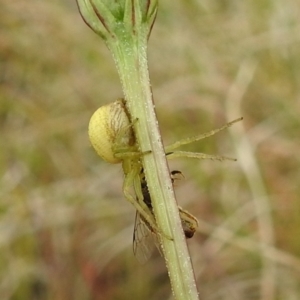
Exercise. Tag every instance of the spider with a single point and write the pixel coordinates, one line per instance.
(112, 136)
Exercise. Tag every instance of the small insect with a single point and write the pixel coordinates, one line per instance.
(112, 136)
(144, 236)
(188, 221)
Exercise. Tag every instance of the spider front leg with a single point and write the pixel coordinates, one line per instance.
(132, 180)
(172, 154)
(198, 155)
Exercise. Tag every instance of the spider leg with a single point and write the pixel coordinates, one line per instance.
(140, 206)
(132, 179)
(193, 139)
(198, 155)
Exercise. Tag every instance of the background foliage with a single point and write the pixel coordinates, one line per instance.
(65, 228)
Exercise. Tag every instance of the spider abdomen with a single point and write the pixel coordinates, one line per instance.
(109, 129)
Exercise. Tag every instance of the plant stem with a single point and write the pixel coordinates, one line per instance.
(131, 61)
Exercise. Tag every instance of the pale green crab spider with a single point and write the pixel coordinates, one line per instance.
(112, 136)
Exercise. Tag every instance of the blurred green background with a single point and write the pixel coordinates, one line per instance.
(65, 228)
